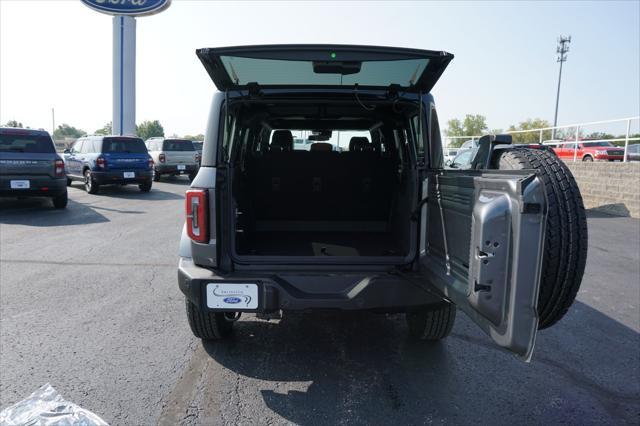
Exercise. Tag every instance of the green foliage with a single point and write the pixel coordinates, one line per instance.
(106, 130)
(472, 125)
(14, 123)
(534, 136)
(66, 131)
(199, 137)
(149, 129)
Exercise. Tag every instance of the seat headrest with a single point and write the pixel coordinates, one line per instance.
(358, 143)
(321, 146)
(282, 140)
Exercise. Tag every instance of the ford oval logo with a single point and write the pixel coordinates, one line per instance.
(128, 7)
(232, 300)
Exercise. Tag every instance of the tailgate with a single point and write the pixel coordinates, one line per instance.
(180, 157)
(27, 164)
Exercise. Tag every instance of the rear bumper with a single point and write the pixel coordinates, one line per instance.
(39, 186)
(117, 177)
(173, 169)
(321, 291)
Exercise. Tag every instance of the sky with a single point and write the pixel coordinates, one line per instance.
(58, 54)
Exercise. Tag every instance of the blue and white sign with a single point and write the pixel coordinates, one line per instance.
(128, 7)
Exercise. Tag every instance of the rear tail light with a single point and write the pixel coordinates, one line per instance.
(197, 206)
(161, 158)
(59, 168)
(150, 163)
(101, 162)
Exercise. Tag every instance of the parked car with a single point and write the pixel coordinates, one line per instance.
(109, 160)
(30, 166)
(450, 155)
(589, 151)
(173, 157)
(380, 227)
(463, 159)
(633, 152)
(470, 144)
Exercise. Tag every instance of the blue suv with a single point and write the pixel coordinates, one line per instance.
(107, 160)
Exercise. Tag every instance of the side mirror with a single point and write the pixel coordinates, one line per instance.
(453, 165)
(66, 151)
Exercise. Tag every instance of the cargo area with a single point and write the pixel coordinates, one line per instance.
(313, 190)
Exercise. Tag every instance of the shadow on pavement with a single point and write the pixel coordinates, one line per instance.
(132, 192)
(610, 210)
(176, 180)
(40, 212)
(363, 369)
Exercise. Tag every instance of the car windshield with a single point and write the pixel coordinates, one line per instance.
(177, 145)
(26, 143)
(599, 143)
(124, 145)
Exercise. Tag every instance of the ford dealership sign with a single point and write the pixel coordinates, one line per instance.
(128, 7)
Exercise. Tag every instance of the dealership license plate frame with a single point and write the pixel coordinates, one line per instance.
(20, 184)
(243, 296)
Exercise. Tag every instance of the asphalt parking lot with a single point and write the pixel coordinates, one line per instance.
(89, 303)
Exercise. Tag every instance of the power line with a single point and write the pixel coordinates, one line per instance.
(561, 50)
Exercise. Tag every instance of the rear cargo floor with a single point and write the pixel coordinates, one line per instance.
(321, 244)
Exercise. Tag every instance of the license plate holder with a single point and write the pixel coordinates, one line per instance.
(232, 296)
(20, 184)
(182, 167)
(129, 175)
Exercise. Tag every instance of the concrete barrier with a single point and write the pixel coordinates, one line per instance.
(612, 188)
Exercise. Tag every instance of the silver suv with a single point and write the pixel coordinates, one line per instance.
(382, 226)
(173, 157)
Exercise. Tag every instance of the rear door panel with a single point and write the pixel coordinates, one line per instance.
(484, 249)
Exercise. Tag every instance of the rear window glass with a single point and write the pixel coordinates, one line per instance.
(124, 145)
(26, 143)
(177, 145)
(404, 72)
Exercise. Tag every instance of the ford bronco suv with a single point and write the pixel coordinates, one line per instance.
(30, 166)
(381, 225)
(108, 160)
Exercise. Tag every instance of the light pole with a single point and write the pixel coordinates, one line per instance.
(561, 50)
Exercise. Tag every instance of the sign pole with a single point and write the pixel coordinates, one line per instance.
(124, 75)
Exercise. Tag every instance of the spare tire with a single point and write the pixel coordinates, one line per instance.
(565, 245)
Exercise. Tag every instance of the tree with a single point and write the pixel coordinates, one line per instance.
(66, 131)
(533, 136)
(198, 137)
(149, 129)
(106, 130)
(14, 123)
(473, 125)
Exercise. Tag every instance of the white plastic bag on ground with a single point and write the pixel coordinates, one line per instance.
(46, 407)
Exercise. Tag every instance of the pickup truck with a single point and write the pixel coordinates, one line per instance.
(589, 151)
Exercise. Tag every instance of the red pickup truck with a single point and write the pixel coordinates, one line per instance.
(589, 151)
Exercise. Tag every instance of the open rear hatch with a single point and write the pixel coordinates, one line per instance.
(323, 66)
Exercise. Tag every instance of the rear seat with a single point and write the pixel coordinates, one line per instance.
(321, 184)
